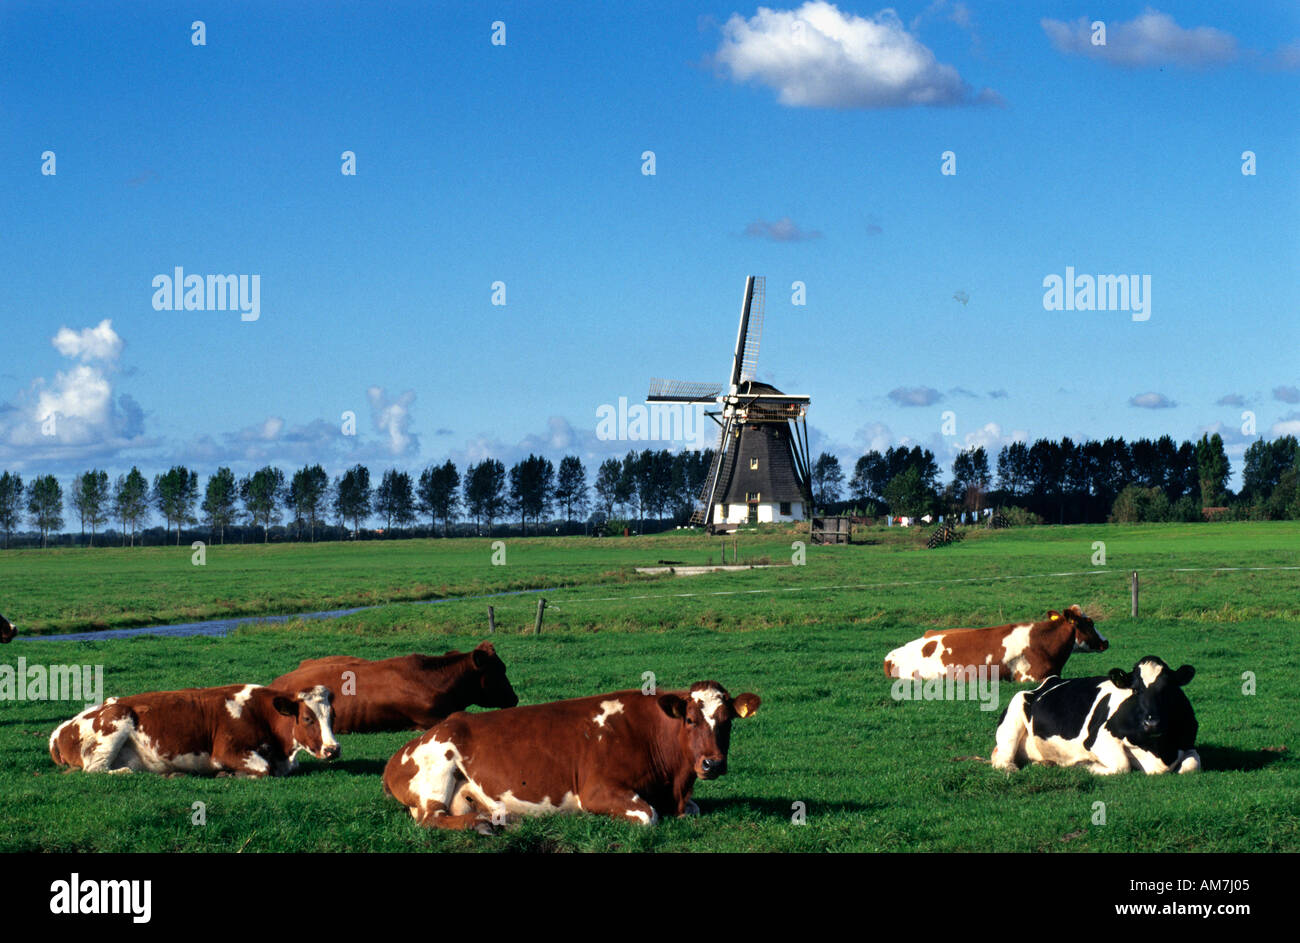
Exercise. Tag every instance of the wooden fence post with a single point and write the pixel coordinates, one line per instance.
(492, 621)
(541, 607)
(1134, 587)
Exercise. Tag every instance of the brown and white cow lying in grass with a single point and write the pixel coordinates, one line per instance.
(627, 755)
(239, 729)
(1028, 651)
(411, 691)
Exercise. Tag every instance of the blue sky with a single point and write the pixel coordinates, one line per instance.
(800, 142)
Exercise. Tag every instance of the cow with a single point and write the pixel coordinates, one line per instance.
(1028, 651)
(410, 692)
(243, 730)
(7, 630)
(627, 755)
(1112, 724)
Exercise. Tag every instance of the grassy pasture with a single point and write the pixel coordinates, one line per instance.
(874, 774)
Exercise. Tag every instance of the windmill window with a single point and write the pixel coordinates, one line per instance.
(753, 464)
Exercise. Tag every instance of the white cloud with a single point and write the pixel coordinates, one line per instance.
(1286, 394)
(818, 57)
(1151, 39)
(1287, 425)
(93, 343)
(991, 439)
(874, 437)
(77, 417)
(1152, 401)
(393, 417)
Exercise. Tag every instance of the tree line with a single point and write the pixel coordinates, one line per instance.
(1057, 481)
(1071, 483)
(650, 485)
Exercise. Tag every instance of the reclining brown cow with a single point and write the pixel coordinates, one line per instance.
(627, 755)
(409, 692)
(239, 729)
(1028, 651)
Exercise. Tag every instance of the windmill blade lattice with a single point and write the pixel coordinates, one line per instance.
(749, 357)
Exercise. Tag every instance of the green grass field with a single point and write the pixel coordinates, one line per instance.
(873, 774)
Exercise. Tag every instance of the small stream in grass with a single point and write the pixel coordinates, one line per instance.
(221, 627)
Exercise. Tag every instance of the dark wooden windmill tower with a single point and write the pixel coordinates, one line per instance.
(760, 468)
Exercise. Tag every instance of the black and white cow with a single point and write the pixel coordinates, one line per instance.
(1125, 721)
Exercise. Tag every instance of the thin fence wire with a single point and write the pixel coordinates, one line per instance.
(848, 587)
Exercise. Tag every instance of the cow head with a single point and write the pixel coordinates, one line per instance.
(313, 726)
(1086, 636)
(493, 687)
(1158, 707)
(704, 717)
(7, 630)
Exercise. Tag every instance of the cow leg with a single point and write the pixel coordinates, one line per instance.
(620, 804)
(427, 778)
(118, 725)
(1009, 751)
(1111, 757)
(1189, 761)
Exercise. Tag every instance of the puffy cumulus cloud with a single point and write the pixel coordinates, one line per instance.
(991, 439)
(874, 437)
(267, 431)
(100, 342)
(1151, 39)
(1287, 425)
(914, 396)
(393, 418)
(77, 417)
(783, 230)
(817, 56)
(1151, 401)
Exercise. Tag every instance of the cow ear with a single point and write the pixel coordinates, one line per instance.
(486, 647)
(746, 704)
(1184, 674)
(1075, 608)
(1053, 615)
(285, 705)
(1120, 678)
(672, 705)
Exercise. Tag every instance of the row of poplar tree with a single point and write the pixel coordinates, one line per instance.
(648, 485)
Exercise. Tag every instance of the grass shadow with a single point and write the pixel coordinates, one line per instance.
(1230, 759)
(354, 767)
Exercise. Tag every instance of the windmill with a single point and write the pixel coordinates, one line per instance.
(760, 468)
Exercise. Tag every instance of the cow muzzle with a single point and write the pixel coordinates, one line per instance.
(331, 752)
(711, 768)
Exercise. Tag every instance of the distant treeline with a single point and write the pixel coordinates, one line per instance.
(1051, 481)
(646, 486)
(1065, 482)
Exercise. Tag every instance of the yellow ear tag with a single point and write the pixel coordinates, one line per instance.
(743, 710)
